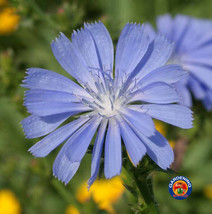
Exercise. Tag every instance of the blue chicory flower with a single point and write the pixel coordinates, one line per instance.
(120, 107)
(193, 51)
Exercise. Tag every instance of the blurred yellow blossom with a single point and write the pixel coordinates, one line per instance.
(160, 127)
(3, 2)
(104, 192)
(83, 194)
(72, 210)
(9, 203)
(9, 20)
(208, 191)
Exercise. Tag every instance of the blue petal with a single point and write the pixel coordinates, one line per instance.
(134, 146)
(158, 92)
(150, 30)
(158, 149)
(167, 73)
(193, 38)
(165, 25)
(67, 161)
(39, 95)
(95, 46)
(35, 126)
(103, 43)
(132, 46)
(197, 89)
(198, 60)
(71, 60)
(83, 42)
(181, 25)
(63, 168)
(174, 114)
(203, 74)
(184, 94)
(154, 58)
(50, 108)
(97, 151)
(113, 158)
(38, 78)
(53, 140)
(141, 121)
(208, 100)
(201, 52)
(203, 41)
(79, 142)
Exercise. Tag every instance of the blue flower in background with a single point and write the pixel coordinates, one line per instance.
(193, 51)
(119, 106)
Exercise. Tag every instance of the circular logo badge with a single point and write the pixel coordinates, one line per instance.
(180, 187)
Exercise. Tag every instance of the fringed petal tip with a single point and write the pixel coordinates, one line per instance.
(66, 176)
(24, 130)
(61, 180)
(167, 165)
(86, 24)
(112, 175)
(85, 27)
(33, 153)
(172, 158)
(60, 35)
(109, 176)
(89, 183)
(191, 114)
(36, 153)
(171, 162)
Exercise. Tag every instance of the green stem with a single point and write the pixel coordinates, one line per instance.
(145, 190)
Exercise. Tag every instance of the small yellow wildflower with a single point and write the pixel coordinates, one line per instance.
(9, 20)
(208, 191)
(9, 203)
(72, 210)
(104, 192)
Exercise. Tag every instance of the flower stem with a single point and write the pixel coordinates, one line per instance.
(144, 185)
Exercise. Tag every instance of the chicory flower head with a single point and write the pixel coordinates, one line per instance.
(119, 106)
(193, 51)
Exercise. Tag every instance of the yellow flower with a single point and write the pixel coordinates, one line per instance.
(8, 203)
(83, 194)
(72, 210)
(208, 191)
(160, 127)
(9, 21)
(104, 192)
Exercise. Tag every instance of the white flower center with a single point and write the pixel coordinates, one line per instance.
(107, 97)
(109, 107)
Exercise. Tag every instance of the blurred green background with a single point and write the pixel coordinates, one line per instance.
(25, 42)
